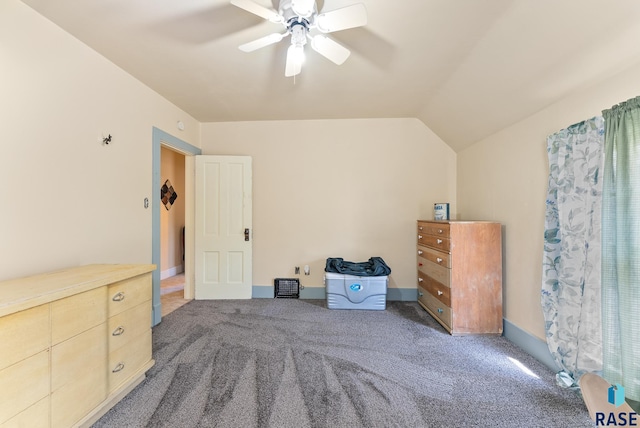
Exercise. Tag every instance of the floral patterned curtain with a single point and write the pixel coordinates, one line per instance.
(572, 250)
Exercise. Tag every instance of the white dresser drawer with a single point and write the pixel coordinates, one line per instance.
(23, 384)
(126, 294)
(128, 325)
(73, 315)
(126, 361)
(78, 376)
(36, 416)
(23, 334)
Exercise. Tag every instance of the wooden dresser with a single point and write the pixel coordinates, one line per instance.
(73, 343)
(460, 274)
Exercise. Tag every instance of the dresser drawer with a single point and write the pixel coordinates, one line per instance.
(73, 315)
(23, 384)
(126, 361)
(438, 290)
(36, 416)
(78, 376)
(23, 334)
(437, 242)
(435, 256)
(435, 271)
(128, 325)
(436, 229)
(435, 307)
(126, 294)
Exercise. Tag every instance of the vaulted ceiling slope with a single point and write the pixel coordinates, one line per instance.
(466, 68)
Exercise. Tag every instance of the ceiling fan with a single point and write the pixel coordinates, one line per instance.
(300, 18)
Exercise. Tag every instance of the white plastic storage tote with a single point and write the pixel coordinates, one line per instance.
(356, 292)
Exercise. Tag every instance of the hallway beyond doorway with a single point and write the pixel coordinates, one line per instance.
(172, 293)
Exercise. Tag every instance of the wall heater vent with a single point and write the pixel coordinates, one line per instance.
(287, 288)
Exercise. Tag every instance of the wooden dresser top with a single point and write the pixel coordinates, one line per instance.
(24, 293)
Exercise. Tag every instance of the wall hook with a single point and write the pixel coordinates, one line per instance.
(106, 140)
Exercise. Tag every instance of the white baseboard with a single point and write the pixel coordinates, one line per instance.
(171, 272)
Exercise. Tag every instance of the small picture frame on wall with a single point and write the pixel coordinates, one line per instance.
(441, 211)
(168, 195)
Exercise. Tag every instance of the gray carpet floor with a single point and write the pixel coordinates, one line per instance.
(295, 363)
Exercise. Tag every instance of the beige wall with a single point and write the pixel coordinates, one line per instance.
(338, 188)
(504, 178)
(66, 198)
(172, 220)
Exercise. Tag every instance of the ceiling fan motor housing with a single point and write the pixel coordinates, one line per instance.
(299, 32)
(287, 11)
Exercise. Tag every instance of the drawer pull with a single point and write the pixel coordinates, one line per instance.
(118, 297)
(440, 293)
(420, 294)
(118, 331)
(419, 236)
(439, 230)
(438, 259)
(440, 311)
(419, 227)
(420, 279)
(419, 264)
(419, 252)
(118, 368)
(439, 241)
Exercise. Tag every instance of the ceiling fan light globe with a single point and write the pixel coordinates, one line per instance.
(298, 54)
(295, 56)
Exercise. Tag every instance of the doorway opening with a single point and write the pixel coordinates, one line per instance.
(162, 140)
(172, 230)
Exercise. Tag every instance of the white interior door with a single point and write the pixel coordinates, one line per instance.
(223, 231)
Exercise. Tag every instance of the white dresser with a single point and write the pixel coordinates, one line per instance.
(74, 342)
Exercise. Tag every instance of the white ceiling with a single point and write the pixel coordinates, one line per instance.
(466, 68)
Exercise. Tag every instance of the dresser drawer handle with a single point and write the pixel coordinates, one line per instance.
(419, 236)
(439, 230)
(439, 241)
(419, 227)
(420, 294)
(419, 264)
(118, 331)
(118, 368)
(420, 279)
(440, 293)
(438, 259)
(440, 311)
(118, 297)
(419, 252)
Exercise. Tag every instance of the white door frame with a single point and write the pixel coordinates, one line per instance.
(161, 138)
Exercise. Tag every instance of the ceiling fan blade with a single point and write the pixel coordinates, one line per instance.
(295, 57)
(261, 42)
(343, 18)
(330, 49)
(257, 9)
